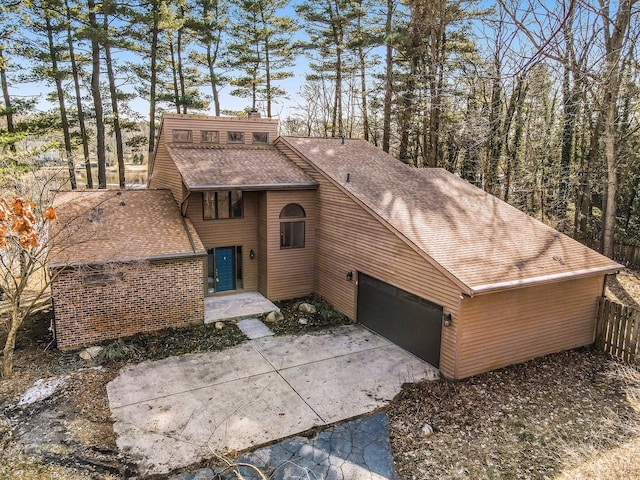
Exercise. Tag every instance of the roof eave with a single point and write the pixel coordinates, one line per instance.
(168, 256)
(254, 187)
(544, 279)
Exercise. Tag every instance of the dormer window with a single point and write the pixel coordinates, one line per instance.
(210, 136)
(182, 136)
(260, 137)
(235, 137)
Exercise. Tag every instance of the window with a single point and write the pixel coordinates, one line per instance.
(235, 137)
(260, 137)
(209, 136)
(220, 205)
(291, 227)
(182, 136)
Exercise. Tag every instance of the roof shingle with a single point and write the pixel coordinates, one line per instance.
(246, 167)
(485, 243)
(101, 226)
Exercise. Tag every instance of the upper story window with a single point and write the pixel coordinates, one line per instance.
(209, 136)
(260, 137)
(235, 137)
(292, 226)
(220, 205)
(182, 136)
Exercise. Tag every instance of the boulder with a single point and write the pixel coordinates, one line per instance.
(426, 430)
(303, 321)
(273, 317)
(307, 308)
(90, 353)
(219, 325)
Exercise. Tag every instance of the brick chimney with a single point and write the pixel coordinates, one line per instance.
(254, 113)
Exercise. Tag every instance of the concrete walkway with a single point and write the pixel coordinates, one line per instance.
(175, 412)
(236, 306)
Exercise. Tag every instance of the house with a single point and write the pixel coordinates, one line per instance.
(440, 267)
(122, 262)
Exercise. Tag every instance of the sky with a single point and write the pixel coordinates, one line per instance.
(282, 108)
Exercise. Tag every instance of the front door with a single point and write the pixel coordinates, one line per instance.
(224, 269)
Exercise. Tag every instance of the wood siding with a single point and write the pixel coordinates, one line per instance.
(262, 253)
(510, 327)
(166, 175)
(200, 123)
(290, 271)
(348, 238)
(231, 232)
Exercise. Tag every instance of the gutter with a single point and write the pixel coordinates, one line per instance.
(168, 256)
(543, 279)
(266, 186)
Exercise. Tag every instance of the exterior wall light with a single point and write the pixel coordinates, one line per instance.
(252, 254)
(349, 276)
(447, 318)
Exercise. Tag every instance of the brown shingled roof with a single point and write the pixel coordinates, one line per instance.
(481, 242)
(106, 226)
(224, 167)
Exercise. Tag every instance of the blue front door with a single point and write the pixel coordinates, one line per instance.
(225, 275)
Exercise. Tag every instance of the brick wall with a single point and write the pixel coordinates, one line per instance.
(93, 305)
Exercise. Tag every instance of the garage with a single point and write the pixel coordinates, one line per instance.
(409, 321)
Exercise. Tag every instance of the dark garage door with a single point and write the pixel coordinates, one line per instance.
(409, 321)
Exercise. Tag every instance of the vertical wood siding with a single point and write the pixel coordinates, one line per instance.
(510, 327)
(290, 271)
(348, 238)
(231, 232)
(262, 253)
(166, 175)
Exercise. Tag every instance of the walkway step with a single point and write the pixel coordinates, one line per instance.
(254, 328)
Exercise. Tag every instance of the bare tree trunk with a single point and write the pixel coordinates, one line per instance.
(97, 96)
(53, 54)
(388, 86)
(6, 96)
(613, 44)
(155, 33)
(76, 84)
(212, 76)
(114, 99)
(174, 72)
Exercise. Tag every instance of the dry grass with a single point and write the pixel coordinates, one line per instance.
(546, 419)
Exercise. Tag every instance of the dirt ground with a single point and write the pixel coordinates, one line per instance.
(571, 415)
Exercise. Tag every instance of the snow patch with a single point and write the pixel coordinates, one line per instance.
(45, 387)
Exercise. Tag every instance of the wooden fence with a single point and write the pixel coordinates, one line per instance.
(627, 252)
(618, 330)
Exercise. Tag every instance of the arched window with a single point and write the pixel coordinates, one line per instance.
(291, 226)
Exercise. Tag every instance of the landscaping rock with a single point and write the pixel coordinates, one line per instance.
(303, 321)
(90, 353)
(426, 430)
(273, 317)
(219, 325)
(307, 308)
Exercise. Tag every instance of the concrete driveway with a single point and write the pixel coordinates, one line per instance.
(175, 412)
